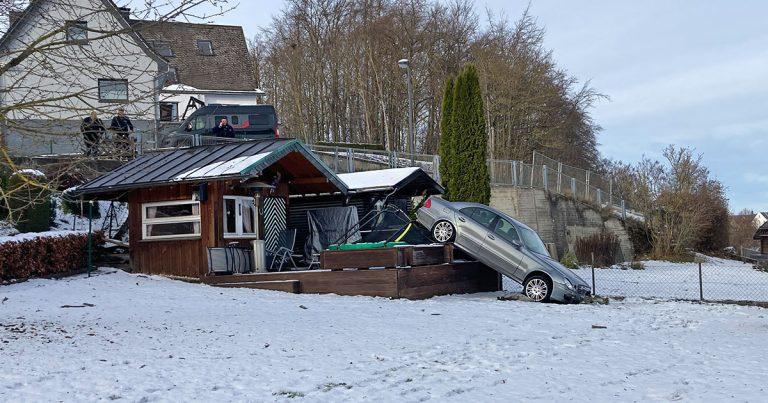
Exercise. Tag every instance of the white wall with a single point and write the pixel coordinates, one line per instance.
(70, 73)
(210, 97)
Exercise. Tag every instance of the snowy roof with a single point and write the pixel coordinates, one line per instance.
(179, 87)
(413, 178)
(217, 162)
(384, 178)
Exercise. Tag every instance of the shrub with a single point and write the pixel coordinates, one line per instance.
(45, 255)
(604, 245)
(30, 204)
(639, 235)
(570, 261)
(71, 205)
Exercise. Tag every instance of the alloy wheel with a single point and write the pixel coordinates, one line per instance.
(536, 289)
(443, 231)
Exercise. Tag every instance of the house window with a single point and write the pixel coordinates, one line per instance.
(111, 90)
(240, 217)
(171, 219)
(169, 111)
(205, 48)
(163, 48)
(77, 31)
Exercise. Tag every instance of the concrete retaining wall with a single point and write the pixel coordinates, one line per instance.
(556, 219)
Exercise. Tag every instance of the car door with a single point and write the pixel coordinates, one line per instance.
(473, 223)
(503, 246)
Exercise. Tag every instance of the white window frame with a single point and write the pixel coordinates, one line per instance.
(168, 220)
(239, 202)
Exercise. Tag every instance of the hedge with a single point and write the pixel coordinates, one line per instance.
(45, 255)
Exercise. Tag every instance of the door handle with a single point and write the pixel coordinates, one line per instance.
(462, 219)
(491, 237)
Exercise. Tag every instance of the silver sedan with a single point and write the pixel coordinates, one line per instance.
(504, 244)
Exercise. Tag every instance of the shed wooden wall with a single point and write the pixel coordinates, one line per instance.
(176, 257)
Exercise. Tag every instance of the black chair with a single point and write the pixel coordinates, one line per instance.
(283, 252)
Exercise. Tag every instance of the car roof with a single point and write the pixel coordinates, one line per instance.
(214, 108)
(461, 205)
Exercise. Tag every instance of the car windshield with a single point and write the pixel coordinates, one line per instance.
(533, 242)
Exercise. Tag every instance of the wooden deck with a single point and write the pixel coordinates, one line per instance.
(411, 282)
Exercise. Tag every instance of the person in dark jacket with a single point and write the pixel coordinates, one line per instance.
(224, 129)
(93, 131)
(121, 125)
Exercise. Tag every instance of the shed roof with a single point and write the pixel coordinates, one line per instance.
(411, 180)
(201, 164)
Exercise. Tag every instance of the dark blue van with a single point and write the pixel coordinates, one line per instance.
(252, 122)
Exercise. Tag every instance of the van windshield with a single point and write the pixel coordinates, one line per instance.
(262, 119)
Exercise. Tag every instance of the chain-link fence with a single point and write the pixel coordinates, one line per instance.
(713, 280)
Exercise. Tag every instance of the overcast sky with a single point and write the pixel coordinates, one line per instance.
(690, 73)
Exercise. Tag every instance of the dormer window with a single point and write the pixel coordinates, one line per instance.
(77, 31)
(162, 48)
(205, 48)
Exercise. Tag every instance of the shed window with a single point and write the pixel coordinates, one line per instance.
(77, 31)
(240, 217)
(172, 219)
(111, 90)
(205, 48)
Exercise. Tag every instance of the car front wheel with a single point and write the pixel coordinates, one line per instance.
(443, 231)
(537, 288)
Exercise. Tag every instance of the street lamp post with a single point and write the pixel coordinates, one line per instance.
(405, 64)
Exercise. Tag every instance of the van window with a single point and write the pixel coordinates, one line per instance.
(199, 123)
(235, 120)
(261, 119)
(217, 119)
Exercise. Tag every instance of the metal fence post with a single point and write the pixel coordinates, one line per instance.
(350, 161)
(532, 169)
(701, 285)
(573, 187)
(623, 210)
(586, 188)
(493, 171)
(559, 177)
(544, 177)
(610, 192)
(599, 197)
(514, 173)
(593, 274)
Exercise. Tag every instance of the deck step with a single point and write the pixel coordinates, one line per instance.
(291, 286)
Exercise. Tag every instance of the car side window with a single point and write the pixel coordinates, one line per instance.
(506, 230)
(483, 216)
(467, 211)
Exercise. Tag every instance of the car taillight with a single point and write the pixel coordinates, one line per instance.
(428, 203)
(277, 133)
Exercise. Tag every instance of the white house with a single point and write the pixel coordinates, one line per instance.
(92, 56)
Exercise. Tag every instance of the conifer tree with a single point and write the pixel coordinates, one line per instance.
(469, 179)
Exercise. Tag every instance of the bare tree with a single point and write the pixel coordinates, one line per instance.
(60, 61)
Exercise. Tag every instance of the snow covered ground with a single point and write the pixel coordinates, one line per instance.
(147, 339)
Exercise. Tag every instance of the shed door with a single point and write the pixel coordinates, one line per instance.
(274, 220)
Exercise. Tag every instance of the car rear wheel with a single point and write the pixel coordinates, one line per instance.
(443, 231)
(538, 288)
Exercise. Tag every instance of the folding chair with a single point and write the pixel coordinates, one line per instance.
(283, 252)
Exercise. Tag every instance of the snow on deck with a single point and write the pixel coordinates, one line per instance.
(149, 338)
(383, 178)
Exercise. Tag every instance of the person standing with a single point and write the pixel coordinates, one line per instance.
(224, 129)
(121, 125)
(93, 131)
